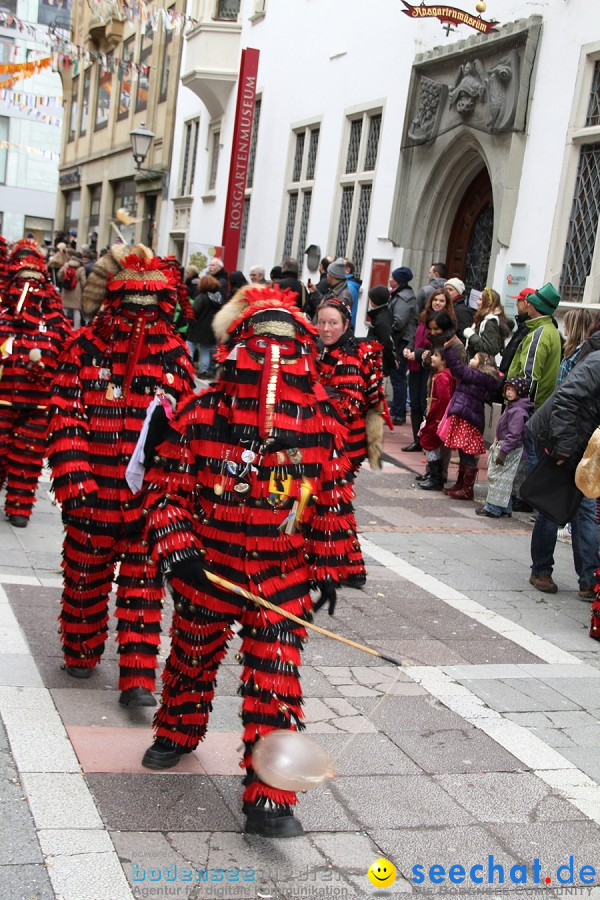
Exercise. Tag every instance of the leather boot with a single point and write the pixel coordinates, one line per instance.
(459, 480)
(466, 491)
(435, 482)
(274, 823)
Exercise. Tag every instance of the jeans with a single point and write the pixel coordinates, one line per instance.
(399, 387)
(498, 510)
(205, 360)
(584, 540)
(584, 535)
(417, 389)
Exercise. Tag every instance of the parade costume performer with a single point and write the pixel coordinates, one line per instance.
(246, 485)
(351, 370)
(108, 376)
(33, 331)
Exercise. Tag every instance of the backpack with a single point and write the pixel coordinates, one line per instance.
(69, 279)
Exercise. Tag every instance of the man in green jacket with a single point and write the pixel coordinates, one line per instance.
(538, 356)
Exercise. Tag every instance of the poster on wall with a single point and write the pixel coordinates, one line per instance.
(516, 277)
(52, 12)
(199, 255)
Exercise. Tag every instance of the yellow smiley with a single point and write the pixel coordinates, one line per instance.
(382, 873)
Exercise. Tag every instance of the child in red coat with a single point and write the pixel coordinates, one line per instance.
(440, 393)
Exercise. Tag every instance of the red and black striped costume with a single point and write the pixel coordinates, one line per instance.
(33, 331)
(352, 373)
(268, 425)
(108, 376)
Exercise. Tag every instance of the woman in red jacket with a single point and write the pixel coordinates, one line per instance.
(441, 390)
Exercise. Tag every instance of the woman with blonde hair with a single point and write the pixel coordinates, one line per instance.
(577, 325)
(485, 334)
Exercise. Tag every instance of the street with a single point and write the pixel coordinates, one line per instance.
(474, 760)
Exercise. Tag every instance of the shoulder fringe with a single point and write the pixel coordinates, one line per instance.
(94, 292)
(374, 427)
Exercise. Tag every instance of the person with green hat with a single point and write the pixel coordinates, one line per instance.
(538, 356)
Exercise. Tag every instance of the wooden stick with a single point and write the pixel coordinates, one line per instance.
(24, 293)
(266, 604)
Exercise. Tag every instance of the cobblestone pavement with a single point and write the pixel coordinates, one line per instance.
(480, 750)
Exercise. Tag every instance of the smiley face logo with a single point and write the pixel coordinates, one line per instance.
(382, 873)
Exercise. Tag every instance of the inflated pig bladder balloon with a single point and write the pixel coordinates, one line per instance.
(290, 761)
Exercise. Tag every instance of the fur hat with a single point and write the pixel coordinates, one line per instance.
(402, 275)
(337, 269)
(457, 284)
(94, 292)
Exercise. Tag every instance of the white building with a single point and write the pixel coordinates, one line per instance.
(392, 140)
(31, 113)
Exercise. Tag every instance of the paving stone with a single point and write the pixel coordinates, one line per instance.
(160, 802)
(141, 852)
(25, 881)
(464, 750)
(395, 716)
(71, 857)
(93, 705)
(585, 758)
(516, 695)
(60, 801)
(427, 652)
(508, 797)
(19, 670)
(18, 842)
(444, 845)
(396, 801)
(578, 691)
(553, 843)
(496, 650)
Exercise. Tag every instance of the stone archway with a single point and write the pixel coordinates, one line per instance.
(470, 241)
(437, 219)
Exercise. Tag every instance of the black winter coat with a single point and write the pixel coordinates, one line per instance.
(564, 424)
(512, 346)
(206, 305)
(380, 329)
(464, 317)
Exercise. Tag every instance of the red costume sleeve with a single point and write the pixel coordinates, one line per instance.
(68, 430)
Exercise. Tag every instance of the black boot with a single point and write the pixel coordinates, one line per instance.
(137, 696)
(163, 754)
(435, 482)
(275, 823)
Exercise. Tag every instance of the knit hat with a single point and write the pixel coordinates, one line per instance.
(521, 385)
(402, 275)
(379, 295)
(457, 284)
(545, 299)
(337, 269)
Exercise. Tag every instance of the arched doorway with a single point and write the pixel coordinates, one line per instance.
(470, 242)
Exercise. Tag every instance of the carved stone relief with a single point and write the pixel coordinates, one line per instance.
(477, 92)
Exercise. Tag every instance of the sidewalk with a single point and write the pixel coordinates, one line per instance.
(483, 743)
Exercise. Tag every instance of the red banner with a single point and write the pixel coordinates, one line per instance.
(449, 15)
(240, 152)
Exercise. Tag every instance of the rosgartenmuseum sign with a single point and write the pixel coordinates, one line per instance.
(449, 16)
